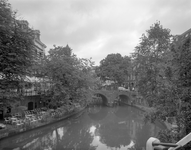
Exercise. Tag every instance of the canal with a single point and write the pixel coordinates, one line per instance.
(96, 128)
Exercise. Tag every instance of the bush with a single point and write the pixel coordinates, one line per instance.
(168, 136)
(28, 126)
(13, 131)
(4, 133)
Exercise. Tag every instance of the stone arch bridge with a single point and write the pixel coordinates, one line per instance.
(111, 96)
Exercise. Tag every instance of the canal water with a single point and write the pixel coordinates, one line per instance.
(96, 128)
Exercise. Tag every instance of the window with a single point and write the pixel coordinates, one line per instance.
(40, 54)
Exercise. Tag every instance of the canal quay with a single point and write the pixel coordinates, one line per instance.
(97, 127)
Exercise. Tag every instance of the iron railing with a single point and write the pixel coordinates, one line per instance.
(155, 144)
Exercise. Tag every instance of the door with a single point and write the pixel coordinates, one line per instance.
(1, 114)
(30, 106)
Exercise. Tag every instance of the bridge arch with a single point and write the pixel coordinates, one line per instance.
(111, 97)
(125, 98)
(103, 97)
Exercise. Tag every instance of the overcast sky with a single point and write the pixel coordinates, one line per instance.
(96, 28)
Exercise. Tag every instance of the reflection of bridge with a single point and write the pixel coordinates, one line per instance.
(111, 96)
(126, 121)
(121, 112)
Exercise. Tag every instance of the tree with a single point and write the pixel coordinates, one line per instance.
(115, 68)
(16, 47)
(150, 61)
(182, 64)
(163, 69)
(179, 88)
(70, 76)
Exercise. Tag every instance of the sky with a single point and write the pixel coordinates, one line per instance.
(96, 28)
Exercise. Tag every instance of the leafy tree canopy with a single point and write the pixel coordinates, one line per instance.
(70, 76)
(115, 68)
(151, 62)
(15, 50)
(163, 69)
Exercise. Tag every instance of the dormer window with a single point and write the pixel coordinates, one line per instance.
(40, 54)
(24, 26)
(36, 52)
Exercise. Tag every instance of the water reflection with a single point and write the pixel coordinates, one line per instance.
(97, 113)
(96, 129)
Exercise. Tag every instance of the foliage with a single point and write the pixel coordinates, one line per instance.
(15, 51)
(151, 62)
(114, 68)
(168, 136)
(69, 75)
(183, 65)
(179, 94)
(163, 70)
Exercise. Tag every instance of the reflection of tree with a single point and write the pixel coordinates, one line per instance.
(117, 129)
(123, 112)
(143, 135)
(94, 109)
(128, 112)
(114, 135)
(28, 139)
(46, 142)
(77, 137)
(59, 139)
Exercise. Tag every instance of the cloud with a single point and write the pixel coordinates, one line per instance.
(98, 28)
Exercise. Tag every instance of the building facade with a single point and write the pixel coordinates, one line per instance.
(181, 38)
(31, 93)
(39, 47)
